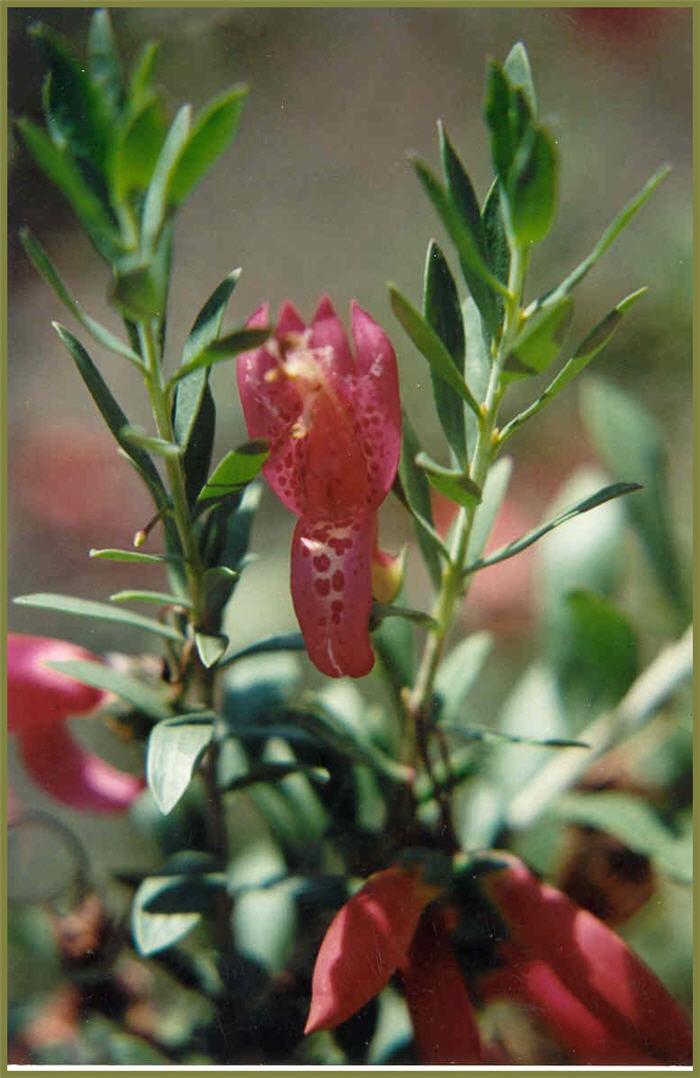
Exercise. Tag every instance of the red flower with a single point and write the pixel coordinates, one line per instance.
(444, 1028)
(582, 978)
(333, 423)
(39, 700)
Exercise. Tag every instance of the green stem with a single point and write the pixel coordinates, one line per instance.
(453, 587)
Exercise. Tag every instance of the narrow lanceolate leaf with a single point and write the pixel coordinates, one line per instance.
(175, 747)
(540, 340)
(495, 237)
(532, 186)
(210, 647)
(135, 692)
(138, 290)
(199, 446)
(236, 470)
(455, 485)
(589, 348)
(412, 488)
(112, 413)
(460, 235)
(104, 65)
(284, 642)
(492, 496)
(609, 236)
(159, 446)
(630, 442)
(112, 554)
(443, 314)
(139, 142)
(470, 732)
(62, 170)
(380, 611)
(228, 347)
(141, 76)
(431, 347)
(460, 193)
(87, 608)
(43, 264)
(159, 598)
(615, 490)
(457, 674)
(156, 203)
(517, 70)
(509, 119)
(212, 133)
(154, 932)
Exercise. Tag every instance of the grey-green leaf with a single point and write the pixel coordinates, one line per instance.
(615, 490)
(630, 442)
(228, 347)
(412, 488)
(104, 64)
(212, 133)
(135, 692)
(532, 187)
(492, 496)
(88, 608)
(517, 71)
(454, 484)
(539, 342)
(113, 554)
(458, 673)
(154, 932)
(156, 203)
(175, 747)
(442, 312)
(235, 470)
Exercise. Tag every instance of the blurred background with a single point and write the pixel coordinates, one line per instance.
(317, 196)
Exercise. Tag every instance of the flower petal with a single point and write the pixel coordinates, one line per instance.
(327, 331)
(364, 945)
(331, 591)
(35, 693)
(377, 402)
(569, 1021)
(289, 320)
(592, 961)
(74, 776)
(444, 1027)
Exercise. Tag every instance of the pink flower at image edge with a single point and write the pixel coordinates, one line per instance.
(333, 423)
(39, 701)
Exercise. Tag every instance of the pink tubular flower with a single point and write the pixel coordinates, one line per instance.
(444, 1027)
(583, 977)
(366, 942)
(39, 700)
(333, 422)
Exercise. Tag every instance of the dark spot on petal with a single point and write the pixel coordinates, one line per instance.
(323, 586)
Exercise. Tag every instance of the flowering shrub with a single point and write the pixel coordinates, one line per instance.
(353, 870)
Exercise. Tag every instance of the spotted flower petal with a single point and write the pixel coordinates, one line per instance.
(333, 424)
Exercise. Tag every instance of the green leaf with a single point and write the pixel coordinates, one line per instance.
(228, 347)
(175, 747)
(477, 365)
(463, 200)
(484, 733)
(517, 70)
(495, 237)
(462, 238)
(508, 117)
(426, 340)
(72, 107)
(492, 496)
(615, 490)
(43, 264)
(141, 77)
(229, 530)
(381, 611)
(454, 484)
(634, 823)
(236, 470)
(212, 133)
(159, 446)
(187, 893)
(458, 673)
(62, 170)
(531, 187)
(630, 442)
(274, 771)
(135, 692)
(284, 642)
(200, 438)
(412, 488)
(87, 608)
(155, 206)
(112, 414)
(112, 554)
(153, 932)
(104, 64)
(161, 598)
(138, 146)
(594, 651)
(137, 291)
(611, 233)
(394, 647)
(210, 647)
(540, 340)
(589, 348)
(443, 314)
(218, 584)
